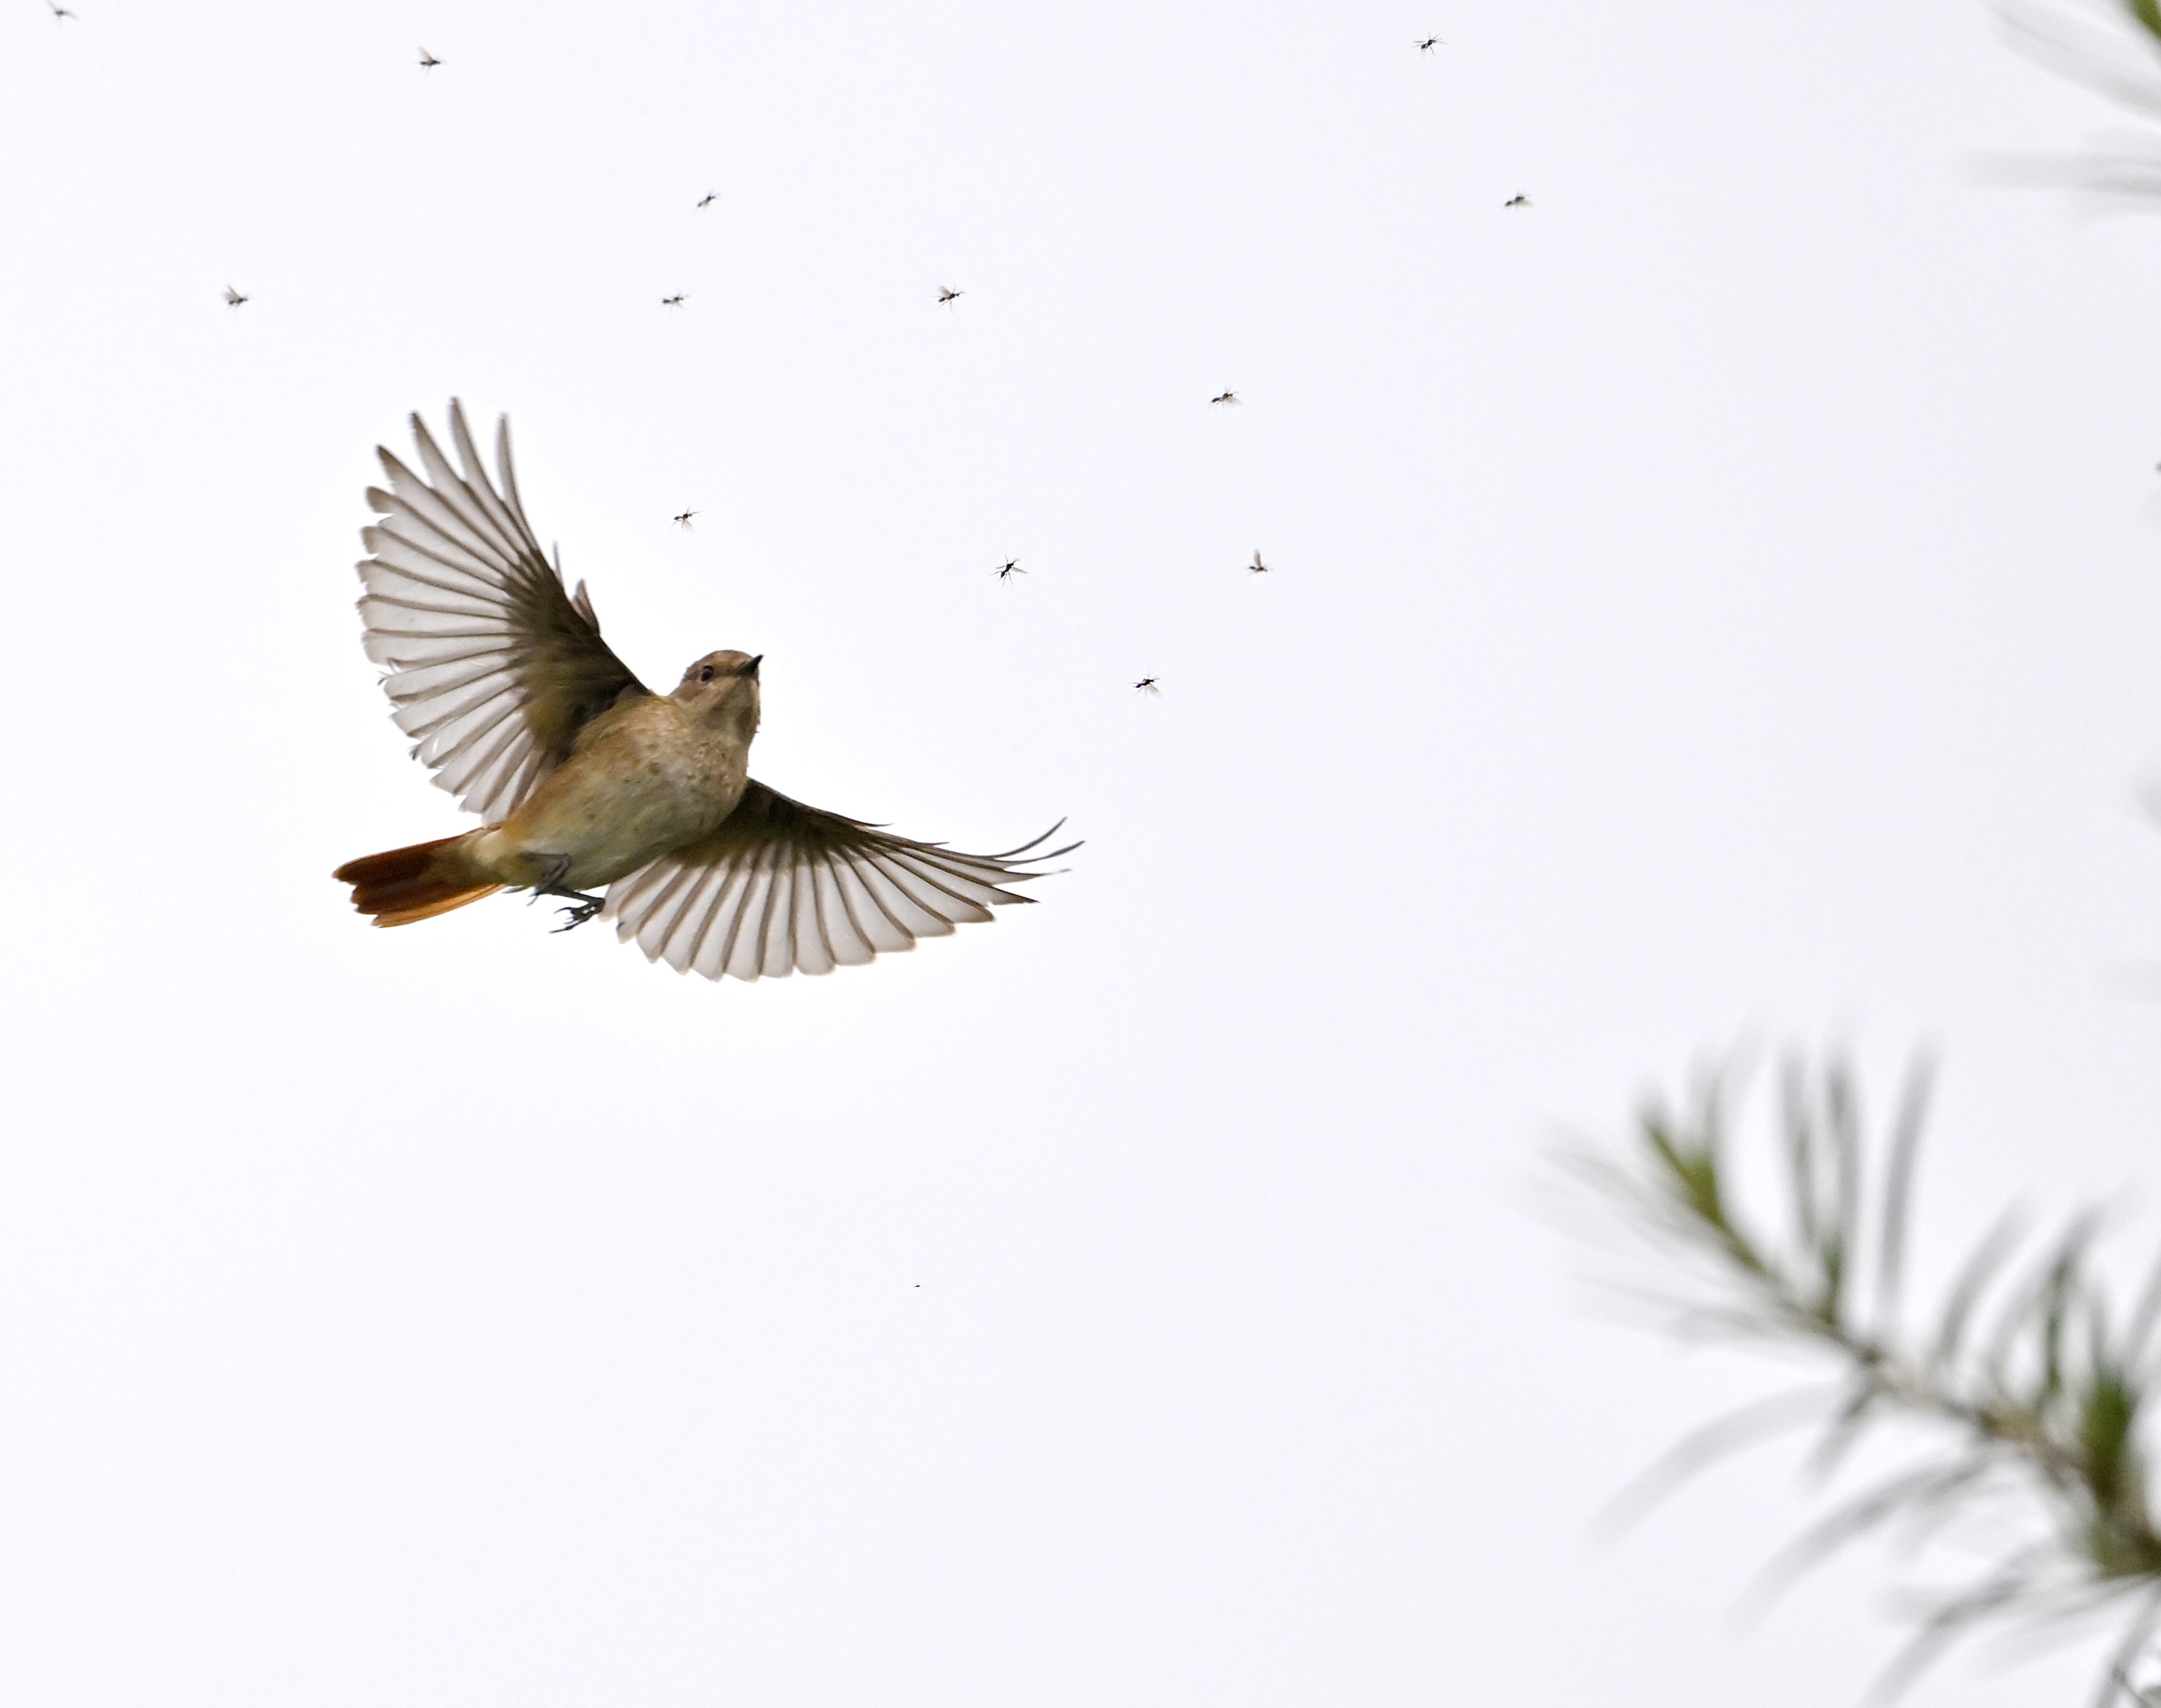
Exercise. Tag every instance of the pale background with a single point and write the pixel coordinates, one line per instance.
(1724, 596)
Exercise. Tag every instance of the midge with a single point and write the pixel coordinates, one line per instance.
(586, 778)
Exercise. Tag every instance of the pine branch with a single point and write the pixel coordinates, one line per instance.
(2029, 1394)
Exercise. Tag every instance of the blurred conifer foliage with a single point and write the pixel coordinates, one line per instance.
(2113, 47)
(2016, 1406)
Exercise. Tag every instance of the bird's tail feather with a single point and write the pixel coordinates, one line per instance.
(403, 885)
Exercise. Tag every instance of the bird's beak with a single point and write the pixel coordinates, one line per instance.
(751, 668)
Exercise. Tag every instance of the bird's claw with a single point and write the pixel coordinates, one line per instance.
(576, 915)
(583, 906)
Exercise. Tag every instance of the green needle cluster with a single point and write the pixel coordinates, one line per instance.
(2022, 1392)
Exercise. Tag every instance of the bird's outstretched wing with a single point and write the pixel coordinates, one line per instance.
(491, 663)
(782, 888)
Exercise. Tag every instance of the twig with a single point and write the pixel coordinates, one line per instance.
(2042, 1408)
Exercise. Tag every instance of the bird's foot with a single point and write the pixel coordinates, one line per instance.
(552, 885)
(584, 907)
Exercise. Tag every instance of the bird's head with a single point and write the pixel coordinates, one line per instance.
(722, 690)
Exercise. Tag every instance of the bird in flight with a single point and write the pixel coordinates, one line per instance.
(1224, 397)
(59, 12)
(946, 294)
(1256, 566)
(1010, 568)
(233, 298)
(1517, 202)
(428, 60)
(582, 776)
(1431, 43)
(1147, 685)
(672, 302)
(708, 198)
(683, 521)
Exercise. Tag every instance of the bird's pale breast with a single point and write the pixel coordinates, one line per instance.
(644, 779)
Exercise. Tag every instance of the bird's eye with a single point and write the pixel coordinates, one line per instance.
(705, 675)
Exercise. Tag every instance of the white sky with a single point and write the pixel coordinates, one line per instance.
(1723, 594)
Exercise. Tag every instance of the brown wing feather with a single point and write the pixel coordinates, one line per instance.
(783, 887)
(491, 663)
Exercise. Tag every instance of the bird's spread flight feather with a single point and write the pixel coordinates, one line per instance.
(492, 664)
(783, 887)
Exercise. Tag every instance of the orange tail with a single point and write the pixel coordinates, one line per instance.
(407, 884)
